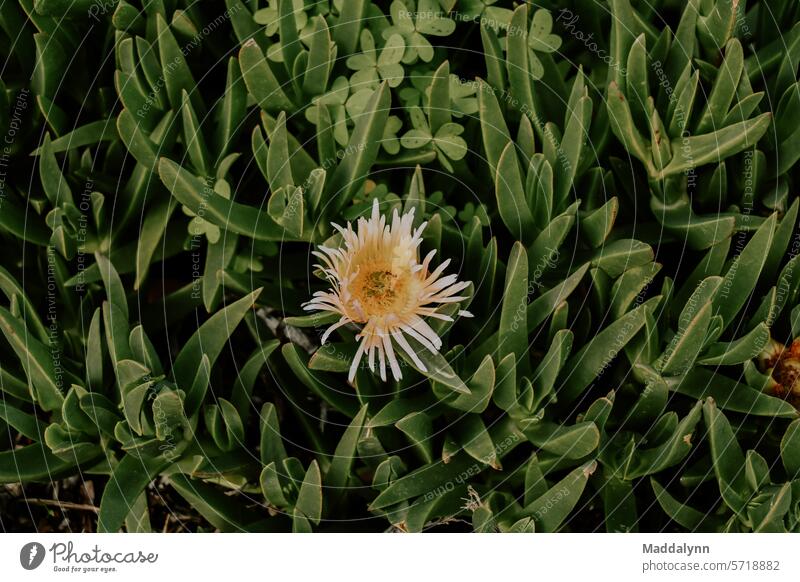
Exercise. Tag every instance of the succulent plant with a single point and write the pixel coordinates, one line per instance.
(616, 180)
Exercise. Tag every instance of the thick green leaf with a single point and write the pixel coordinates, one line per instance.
(437, 367)
(670, 452)
(790, 449)
(698, 150)
(334, 396)
(686, 516)
(261, 81)
(593, 359)
(208, 341)
(573, 442)
(728, 459)
(37, 360)
(36, 463)
(193, 193)
(687, 343)
(349, 176)
(309, 500)
(731, 395)
(338, 473)
(513, 331)
(552, 508)
(511, 201)
(128, 480)
(418, 427)
(742, 275)
(226, 513)
(738, 351)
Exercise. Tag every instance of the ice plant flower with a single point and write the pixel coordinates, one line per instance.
(378, 282)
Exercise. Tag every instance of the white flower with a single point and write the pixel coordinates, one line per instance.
(377, 281)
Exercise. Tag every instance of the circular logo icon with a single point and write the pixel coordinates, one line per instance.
(31, 555)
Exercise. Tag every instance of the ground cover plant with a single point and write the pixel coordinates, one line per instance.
(420, 265)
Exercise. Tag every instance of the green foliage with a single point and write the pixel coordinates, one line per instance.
(625, 208)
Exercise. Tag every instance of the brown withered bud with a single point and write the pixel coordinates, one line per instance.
(784, 366)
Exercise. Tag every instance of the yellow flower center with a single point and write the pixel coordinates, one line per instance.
(379, 290)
